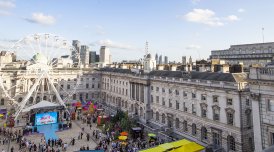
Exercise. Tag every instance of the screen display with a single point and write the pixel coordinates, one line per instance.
(45, 118)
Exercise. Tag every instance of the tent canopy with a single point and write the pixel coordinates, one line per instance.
(191, 147)
(166, 146)
(180, 143)
(41, 104)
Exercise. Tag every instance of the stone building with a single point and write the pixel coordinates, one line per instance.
(257, 53)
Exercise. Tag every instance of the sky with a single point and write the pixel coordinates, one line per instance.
(172, 28)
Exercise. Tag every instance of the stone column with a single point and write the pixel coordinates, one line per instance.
(135, 90)
(140, 92)
(130, 91)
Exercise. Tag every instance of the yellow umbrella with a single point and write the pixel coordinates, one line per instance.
(79, 108)
(1, 115)
(122, 137)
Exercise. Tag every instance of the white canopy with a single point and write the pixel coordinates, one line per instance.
(40, 105)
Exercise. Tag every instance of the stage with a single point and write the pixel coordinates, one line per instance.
(48, 130)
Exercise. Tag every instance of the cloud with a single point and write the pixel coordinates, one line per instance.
(42, 19)
(241, 10)
(202, 16)
(6, 4)
(60, 16)
(197, 34)
(194, 2)
(194, 47)
(9, 40)
(99, 27)
(233, 18)
(5, 13)
(4, 46)
(86, 26)
(112, 44)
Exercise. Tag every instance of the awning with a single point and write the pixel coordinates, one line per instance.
(191, 147)
(42, 104)
(180, 143)
(166, 146)
(156, 149)
(3, 112)
(137, 128)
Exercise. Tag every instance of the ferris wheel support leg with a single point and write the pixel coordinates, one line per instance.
(57, 94)
(24, 101)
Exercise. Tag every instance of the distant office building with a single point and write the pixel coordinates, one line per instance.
(184, 60)
(92, 57)
(84, 54)
(166, 60)
(156, 58)
(110, 59)
(257, 53)
(97, 58)
(77, 45)
(160, 59)
(190, 60)
(104, 54)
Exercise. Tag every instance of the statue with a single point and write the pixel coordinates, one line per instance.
(91, 110)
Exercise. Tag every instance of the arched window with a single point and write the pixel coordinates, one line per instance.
(240, 51)
(246, 51)
(262, 50)
(2, 102)
(204, 133)
(254, 50)
(20, 99)
(269, 50)
(45, 98)
(177, 123)
(194, 130)
(163, 118)
(185, 125)
(157, 116)
(54, 98)
(37, 99)
(30, 100)
(231, 143)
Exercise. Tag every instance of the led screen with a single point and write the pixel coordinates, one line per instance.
(45, 118)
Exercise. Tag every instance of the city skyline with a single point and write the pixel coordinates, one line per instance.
(172, 29)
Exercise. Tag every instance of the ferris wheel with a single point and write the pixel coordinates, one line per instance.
(39, 61)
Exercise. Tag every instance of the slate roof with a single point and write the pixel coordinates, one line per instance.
(116, 70)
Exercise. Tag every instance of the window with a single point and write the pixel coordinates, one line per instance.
(193, 95)
(229, 118)
(170, 103)
(231, 143)
(170, 91)
(177, 123)
(68, 79)
(151, 98)
(185, 94)
(157, 116)
(68, 86)
(163, 101)
(247, 102)
(185, 106)
(194, 109)
(203, 96)
(87, 79)
(177, 105)
(157, 99)
(93, 87)
(185, 125)
(20, 99)
(215, 99)
(126, 91)
(240, 51)
(75, 79)
(123, 91)
(86, 95)
(163, 118)
(271, 105)
(74, 97)
(216, 115)
(204, 112)
(120, 82)
(92, 95)
(2, 102)
(229, 102)
(204, 133)
(269, 50)
(254, 50)
(194, 130)
(272, 138)
(157, 88)
(177, 92)
(248, 119)
(98, 85)
(163, 90)
(126, 84)
(87, 85)
(151, 88)
(262, 50)
(94, 79)
(61, 87)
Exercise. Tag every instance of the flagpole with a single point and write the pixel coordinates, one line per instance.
(263, 34)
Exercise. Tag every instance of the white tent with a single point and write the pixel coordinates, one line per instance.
(41, 104)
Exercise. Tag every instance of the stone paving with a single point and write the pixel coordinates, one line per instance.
(64, 135)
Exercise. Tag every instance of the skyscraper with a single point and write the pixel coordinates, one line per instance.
(104, 54)
(77, 45)
(166, 60)
(84, 54)
(160, 59)
(97, 58)
(92, 56)
(190, 60)
(156, 58)
(184, 60)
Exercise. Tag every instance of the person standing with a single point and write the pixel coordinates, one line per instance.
(11, 150)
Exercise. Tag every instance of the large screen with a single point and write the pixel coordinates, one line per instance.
(45, 118)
